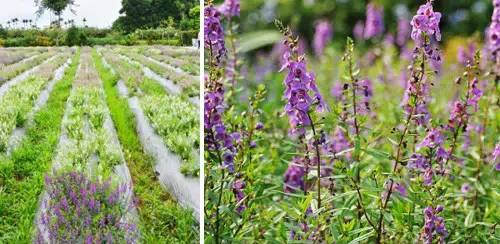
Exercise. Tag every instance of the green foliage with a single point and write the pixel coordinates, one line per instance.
(162, 220)
(93, 36)
(354, 193)
(465, 17)
(143, 14)
(192, 20)
(21, 176)
(56, 6)
(76, 37)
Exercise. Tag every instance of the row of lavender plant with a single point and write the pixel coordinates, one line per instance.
(348, 177)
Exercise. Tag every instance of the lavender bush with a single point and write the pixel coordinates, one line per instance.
(397, 143)
(83, 210)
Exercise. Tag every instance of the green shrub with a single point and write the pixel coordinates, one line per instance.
(76, 37)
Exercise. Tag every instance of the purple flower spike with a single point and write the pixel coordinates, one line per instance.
(433, 139)
(301, 93)
(493, 32)
(433, 225)
(218, 138)
(358, 30)
(496, 157)
(403, 33)
(230, 8)
(238, 187)
(322, 36)
(425, 22)
(465, 55)
(214, 34)
(294, 176)
(374, 25)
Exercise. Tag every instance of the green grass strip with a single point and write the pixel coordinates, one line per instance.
(162, 220)
(22, 175)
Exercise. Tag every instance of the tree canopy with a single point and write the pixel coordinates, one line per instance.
(151, 13)
(56, 6)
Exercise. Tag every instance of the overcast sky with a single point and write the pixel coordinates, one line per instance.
(99, 13)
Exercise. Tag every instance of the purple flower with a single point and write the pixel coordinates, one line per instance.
(337, 91)
(259, 126)
(403, 32)
(493, 32)
(214, 35)
(465, 188)
(358, 30)
(338, 143)
(217, 138)
(72, 221)
(238, 187)
(374, 25)
(466, 54)
(422, 166)
(428, 173)
(230, 8)
(294, 176)
(236, 136)
(459, 114)
(389, 39)
(496, 152)
(365, 89)
(421, 91)
(425, 22)
(474, 94)
(434, 56)
(496, 157)
(228, 159)
(89, 239)
(433, 139)
(401, 189)
(301, 93)
(433, 225)
(322, 36)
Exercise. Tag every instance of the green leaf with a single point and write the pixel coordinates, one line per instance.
(377, 154)
(363, 237)
(257, 39)
(469, 219)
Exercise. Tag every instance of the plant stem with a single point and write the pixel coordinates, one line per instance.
(217, 213)
(318, 156)
(399, 154)
(357, 140)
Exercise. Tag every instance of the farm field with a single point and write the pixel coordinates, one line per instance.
(99, 144)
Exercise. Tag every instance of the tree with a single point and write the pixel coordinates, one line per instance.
(140, 14)
(56, 6)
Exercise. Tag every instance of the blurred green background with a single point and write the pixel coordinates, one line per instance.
(460, 17)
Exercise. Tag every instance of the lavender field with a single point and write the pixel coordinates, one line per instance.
(326, 123)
